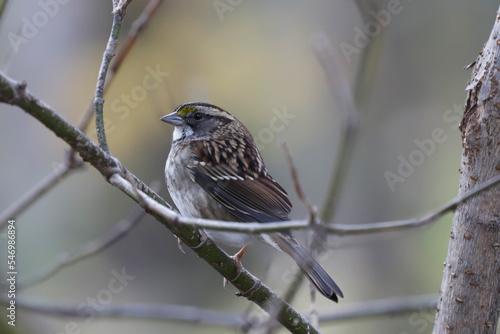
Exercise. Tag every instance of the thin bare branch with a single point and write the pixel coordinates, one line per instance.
(412, 223)
(105, 240)
(3, 4)
(298, 188)
(329, 59)
(44, 185)
(313, 219)
(369, 57)
(15, 93)
(137, 27)
(350, 99)
(119, 10)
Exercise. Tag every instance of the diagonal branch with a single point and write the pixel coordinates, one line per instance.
(349, 99)
(313, 217)
(313, 220)
(44, 185)
(122, 228)
(15, 93)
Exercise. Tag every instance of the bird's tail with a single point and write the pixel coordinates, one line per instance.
(314, 272)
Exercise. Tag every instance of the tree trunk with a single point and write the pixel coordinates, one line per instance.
(470, 291)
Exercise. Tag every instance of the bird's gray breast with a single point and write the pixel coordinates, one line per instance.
(193, 201)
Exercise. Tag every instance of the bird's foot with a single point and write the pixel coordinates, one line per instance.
(179, 244)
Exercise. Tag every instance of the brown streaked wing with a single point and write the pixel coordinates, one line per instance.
(248, 192)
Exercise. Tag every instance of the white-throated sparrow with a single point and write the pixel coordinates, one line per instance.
(215, 171)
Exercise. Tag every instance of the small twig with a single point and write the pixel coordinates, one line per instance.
(342, 93)
(298, 188)
(119, 10)
(3, 4)
(313, 310)
(7, 61)
(44, 185)
(137, 27)
(313, 220)
(412, 223)
(93, 247)
(369, 57)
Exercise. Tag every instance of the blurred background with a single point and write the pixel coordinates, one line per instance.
(254, 59)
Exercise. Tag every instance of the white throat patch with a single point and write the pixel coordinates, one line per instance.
(180, 132)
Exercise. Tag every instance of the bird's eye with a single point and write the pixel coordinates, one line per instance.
(198, 116)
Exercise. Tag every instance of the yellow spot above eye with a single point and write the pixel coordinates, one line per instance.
(186, 110)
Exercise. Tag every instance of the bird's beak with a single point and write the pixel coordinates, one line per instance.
(173, 119)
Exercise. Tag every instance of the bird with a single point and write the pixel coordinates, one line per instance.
(214, 170)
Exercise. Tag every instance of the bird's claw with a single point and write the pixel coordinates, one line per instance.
(179, 244)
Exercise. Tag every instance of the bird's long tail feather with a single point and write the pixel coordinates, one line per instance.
(314, 272)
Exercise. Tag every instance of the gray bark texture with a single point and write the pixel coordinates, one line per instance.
(470, 291)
